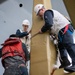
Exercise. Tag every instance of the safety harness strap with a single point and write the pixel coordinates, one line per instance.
(63, 31)
(66, 28)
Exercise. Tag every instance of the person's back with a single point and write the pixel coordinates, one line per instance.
(13, 57)
(59, 22)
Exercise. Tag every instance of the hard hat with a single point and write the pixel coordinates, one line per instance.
(37, 8)
(26, 22)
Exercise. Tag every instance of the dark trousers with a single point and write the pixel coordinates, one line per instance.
(15, 70)
(66, 44)
(23, 70)
(15, 66)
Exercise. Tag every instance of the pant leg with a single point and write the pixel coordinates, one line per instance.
(70, 48)
(62, 50)
(69, 45)
(24, 70)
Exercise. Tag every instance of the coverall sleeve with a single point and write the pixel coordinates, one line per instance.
(27, 55)
(21, 34)
(48, 18)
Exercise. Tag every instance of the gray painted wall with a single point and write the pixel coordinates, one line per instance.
(11, 17)
(59, 5)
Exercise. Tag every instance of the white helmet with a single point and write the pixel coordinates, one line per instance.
(26, 22)
(38, 7)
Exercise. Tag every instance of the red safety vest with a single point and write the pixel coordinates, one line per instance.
(12, 47)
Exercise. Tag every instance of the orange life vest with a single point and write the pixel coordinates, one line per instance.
(12, 47)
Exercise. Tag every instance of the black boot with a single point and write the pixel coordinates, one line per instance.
(70, 69)
(64, 63)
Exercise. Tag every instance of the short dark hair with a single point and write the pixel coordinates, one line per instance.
(13, 35)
